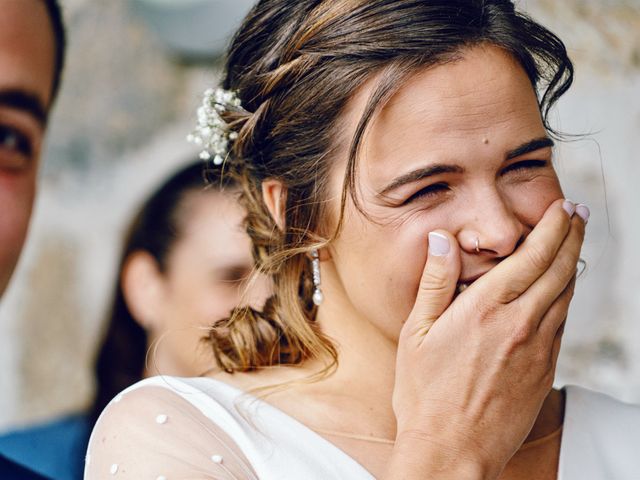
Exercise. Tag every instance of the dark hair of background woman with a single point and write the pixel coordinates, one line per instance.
(155, 230)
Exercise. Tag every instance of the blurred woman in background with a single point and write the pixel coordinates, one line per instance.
(184, 263)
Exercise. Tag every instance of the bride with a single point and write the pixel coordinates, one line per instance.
(396, 164)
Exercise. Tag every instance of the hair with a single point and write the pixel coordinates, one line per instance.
(57, 24)
(155, 229)
(295, 64)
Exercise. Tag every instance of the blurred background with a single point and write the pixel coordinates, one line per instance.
(136, 70)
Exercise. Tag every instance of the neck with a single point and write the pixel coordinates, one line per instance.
(365, 356)
(159, 361)
(366, 360)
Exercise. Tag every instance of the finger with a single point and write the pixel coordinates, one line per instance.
(511, 277)
(438, 282)
(554, 319)
(539, 297)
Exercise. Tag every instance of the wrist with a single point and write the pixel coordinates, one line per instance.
(418, 455)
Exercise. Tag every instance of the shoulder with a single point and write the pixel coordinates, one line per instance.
(210, 397)
(10, 469)
(163, 426)
(54, 448)
(602, 411)
(600, 437)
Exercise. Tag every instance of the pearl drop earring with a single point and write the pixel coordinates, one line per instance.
(318, 297)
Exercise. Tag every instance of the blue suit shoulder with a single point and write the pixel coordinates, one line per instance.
(54, 449)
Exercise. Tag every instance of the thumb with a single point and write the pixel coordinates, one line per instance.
(438, 282)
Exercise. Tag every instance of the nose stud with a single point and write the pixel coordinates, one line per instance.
(477, 245)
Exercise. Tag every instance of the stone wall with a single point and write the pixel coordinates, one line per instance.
(119, 126)
(603, 38)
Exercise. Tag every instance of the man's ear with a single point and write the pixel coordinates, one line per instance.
(142, 288)
(274, 195)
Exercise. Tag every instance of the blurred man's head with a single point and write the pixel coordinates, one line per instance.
(32, 46)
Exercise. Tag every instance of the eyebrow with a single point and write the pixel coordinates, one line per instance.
(24, 101)
(532, 146)
(437, 169)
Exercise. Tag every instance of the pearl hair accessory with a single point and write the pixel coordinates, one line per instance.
(212, 132)
(318, 297)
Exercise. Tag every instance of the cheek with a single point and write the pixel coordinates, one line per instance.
(407, 255)
(218, 303)
(406, 258)
(530, 201)
(380, 265)
(13, 229)
(195, 300)
(16, 200)
(195, 303)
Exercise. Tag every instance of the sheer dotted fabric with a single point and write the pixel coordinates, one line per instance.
(200, 428)
(153, 433)
(168, 428)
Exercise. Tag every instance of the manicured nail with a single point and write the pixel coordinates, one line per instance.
(438, 244)
(569, 207)
(583, 211)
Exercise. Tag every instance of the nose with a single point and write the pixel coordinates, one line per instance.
(492, 227)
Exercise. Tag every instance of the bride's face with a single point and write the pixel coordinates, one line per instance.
(460, 147)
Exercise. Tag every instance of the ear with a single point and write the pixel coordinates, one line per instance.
(142, 289)
(274, 195)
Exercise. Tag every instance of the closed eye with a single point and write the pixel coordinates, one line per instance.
(524, 165)
(429, 191)
(235, 274)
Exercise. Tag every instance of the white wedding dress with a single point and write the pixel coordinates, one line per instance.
(168, 428)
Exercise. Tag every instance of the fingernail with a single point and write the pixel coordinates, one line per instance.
(438, 244)
(569, 207)
(583, 211)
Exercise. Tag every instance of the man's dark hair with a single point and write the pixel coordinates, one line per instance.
(57, 23)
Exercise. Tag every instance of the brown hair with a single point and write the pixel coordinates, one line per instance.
(295, 64)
